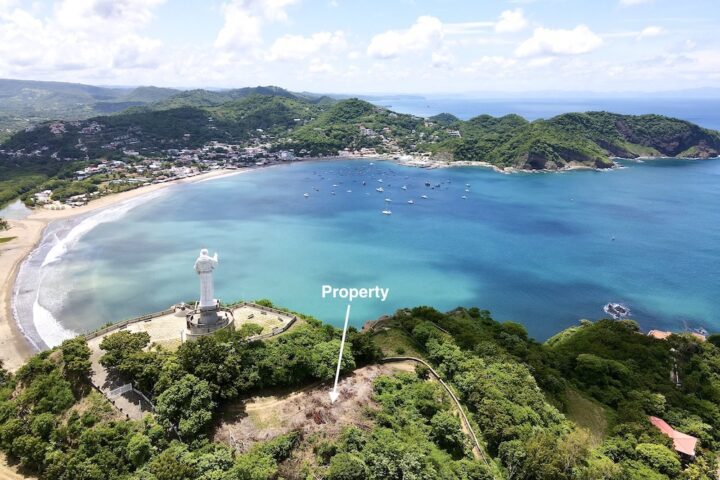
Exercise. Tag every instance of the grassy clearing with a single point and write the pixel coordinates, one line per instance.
(394, 342)
(6, 239)
(587, 413)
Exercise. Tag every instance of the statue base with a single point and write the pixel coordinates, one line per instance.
(207, 320)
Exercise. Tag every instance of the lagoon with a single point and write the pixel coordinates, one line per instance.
(542, 249)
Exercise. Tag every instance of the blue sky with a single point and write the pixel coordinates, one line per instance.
(403, 46)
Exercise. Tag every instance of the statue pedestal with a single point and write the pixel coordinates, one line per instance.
(207, 320)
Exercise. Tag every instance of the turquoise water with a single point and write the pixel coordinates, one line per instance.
(541, 249)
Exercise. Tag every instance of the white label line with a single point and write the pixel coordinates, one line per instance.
(334, 393)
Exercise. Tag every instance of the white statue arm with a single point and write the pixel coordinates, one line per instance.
(215, 259)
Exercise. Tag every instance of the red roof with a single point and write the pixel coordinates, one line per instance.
(682, 442)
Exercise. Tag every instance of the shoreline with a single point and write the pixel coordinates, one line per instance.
(15, 347)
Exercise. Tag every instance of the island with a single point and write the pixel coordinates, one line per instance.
(186, 133)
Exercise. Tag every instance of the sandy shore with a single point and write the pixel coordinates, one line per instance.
(14, 347)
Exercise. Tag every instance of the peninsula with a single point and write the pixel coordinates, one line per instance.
(190, 132)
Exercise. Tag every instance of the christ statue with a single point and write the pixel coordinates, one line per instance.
(204, 266)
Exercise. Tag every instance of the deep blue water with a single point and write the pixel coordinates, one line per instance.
(704, 112)
(542, 249)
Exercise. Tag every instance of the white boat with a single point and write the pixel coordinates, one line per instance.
(380, 180)
(388, 200)
(423, 196)
(404, 187)
(333, 193)
(467, 185)
(467, 189)
(379, 189)
(349, 191)
(386, 212)
(306, 195)
(411, 202)
(464, 197)
(334, 185)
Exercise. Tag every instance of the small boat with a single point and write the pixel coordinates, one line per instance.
(371, 163)
(334, 185)
(380, 180)
(388, 200)
(404, 187)
(332, 193)
(423, 196)
(364, 182)
(464, 197)
(306, 195)
(386, 212)
(427, 184)
(379, 189)
(411, 202)
(349, 191)
(616, 310)
(467, 185)
(467, 189)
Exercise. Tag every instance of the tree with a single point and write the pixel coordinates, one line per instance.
(76, 359)
(659, 458)
(139, 449)
(445, 430)
(324, 359)
(118, 346)
(4, 225)
(347, 466)
(188, 405)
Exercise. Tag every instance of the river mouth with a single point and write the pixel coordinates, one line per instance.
(542, 250)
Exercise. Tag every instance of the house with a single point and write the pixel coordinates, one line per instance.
(684, 444)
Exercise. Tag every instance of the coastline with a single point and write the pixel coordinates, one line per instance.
(15, 348)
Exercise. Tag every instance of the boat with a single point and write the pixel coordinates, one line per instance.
(427, 184)
(386, 212)
(467, 189)
(423, 196)
(334, 185)
(332, 193)
(349, 191)
(467, 185)
(464, 197)
(364, 182)
(616, 310)
(306, 195)
(404, 187)
(379, 189)
(411, 202)
(388, 200)
(380, 180)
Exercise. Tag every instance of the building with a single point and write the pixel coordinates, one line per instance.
(684, 444)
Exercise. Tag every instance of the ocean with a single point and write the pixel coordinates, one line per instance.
(542, 249)
(702, 111)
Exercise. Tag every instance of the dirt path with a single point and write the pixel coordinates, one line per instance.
(7, 472)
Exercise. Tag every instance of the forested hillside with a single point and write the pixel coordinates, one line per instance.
(521, 397)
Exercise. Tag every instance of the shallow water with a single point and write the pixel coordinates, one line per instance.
(541, 249)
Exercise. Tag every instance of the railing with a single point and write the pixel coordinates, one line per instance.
(117, 326)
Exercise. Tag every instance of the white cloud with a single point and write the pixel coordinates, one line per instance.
(296, 47)
(244, 19)
(467, 28)
(425, 34)
(630, 3)
(651, 31)
(511, 21)
(546, 41)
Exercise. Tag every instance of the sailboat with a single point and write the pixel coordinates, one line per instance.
(386, 212)
(379, 189)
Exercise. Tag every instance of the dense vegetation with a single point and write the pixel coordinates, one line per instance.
(515, 390)
(24, 102)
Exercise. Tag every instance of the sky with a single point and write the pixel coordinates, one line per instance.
(370, 46)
